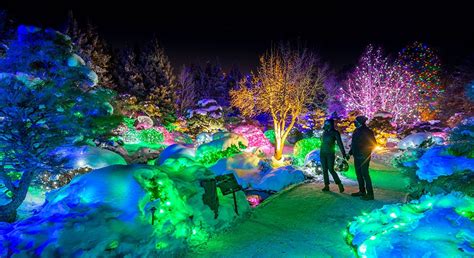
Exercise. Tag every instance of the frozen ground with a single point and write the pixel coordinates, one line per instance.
(302, 221)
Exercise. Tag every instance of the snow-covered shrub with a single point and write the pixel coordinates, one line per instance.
(462, 139)
(113, 208)
(151, 136)
(270, 135)
(420, 127)
(143, 122)
(222, 146)
(176, 151)
(88, 156)
(439, 226)
(203, 138)
(255, 137)
(407, 158)
(253, 173)
(303, 147)
(436, 162)
(279, 178)
(205, 117)
(419, 140)
(382, 127)
(245, 166)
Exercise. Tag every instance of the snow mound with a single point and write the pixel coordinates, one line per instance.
(434, 226)
(203, 138)
(313, 157)
(75, 61)
(253, 173)
(221, 144)
(88, 156)
(175, 151)
(416, 140)
(435, 163)
(280, 178)
(108, 212)
(245, 167)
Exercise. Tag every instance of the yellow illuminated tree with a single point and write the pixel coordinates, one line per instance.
(285, 85)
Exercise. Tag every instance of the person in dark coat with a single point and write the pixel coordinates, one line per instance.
(363, 142)
(328, 153)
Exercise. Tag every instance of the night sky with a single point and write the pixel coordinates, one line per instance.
(236, 32)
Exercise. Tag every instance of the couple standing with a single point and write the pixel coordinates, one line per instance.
(363, 142)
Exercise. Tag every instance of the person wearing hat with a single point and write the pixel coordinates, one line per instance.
(363, 142)
(328, 153)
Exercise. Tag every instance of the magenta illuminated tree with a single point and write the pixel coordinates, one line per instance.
(376, 84)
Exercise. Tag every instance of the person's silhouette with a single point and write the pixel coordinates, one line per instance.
(327, 153)
(363, 142)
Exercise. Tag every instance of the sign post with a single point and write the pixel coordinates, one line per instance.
(228, 184)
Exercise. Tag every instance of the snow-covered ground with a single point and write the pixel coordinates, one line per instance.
(302, 221)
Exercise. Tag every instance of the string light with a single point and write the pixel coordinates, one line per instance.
(378, 85)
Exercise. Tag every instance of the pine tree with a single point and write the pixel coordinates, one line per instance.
(6, 32)
(129, 76)
(158, 79)
(424, 65)
(185, 93)
(93, 49)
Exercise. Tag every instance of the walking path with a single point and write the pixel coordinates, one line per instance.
(302, 222)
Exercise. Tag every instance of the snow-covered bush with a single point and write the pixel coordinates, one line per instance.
(245, 166)
(461, 138)
(279, 178)
(255, 137)
(302, 148)
(382, 127)
(205, 117)
(436, 162)
(113, 209)
(223, 146)
(88, 156)
(420, 140)
(439, 226)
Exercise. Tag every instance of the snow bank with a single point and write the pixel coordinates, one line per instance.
(413, 140)
(434, 226)
(253, 173)
(88, 156)
(108, 212)
(245, 167)
(176, 151)
(280, 178)
(435, 163)
(221, 144)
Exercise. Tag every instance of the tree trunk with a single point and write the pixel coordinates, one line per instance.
(278, 148)
(8, 211)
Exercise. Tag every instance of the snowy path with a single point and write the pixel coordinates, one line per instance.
(301, 222)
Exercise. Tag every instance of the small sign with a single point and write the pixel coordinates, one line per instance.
(228, 184)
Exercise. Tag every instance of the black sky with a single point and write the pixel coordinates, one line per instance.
(236, 32)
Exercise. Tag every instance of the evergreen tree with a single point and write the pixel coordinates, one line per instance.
(185, 93)
(424, 65)
(6, 32)
(93, 49)
(48, 99)
(129, 76)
